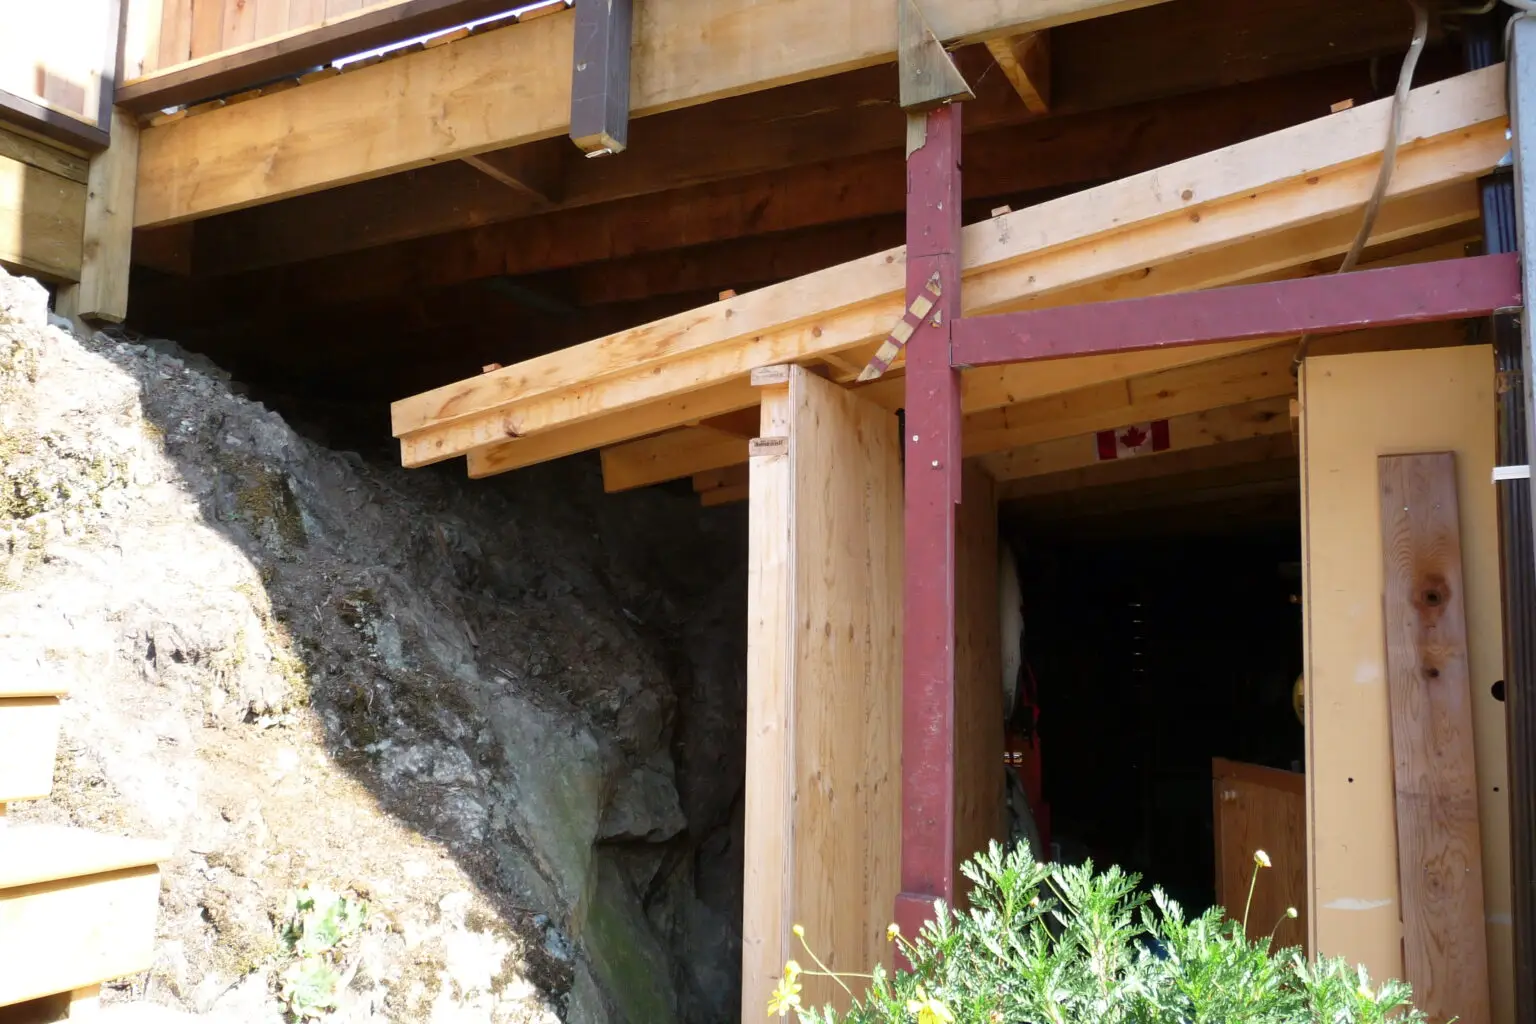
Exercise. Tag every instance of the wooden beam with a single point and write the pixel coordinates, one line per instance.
(102, 292)
(1272, 455)
(43, 156)
(1216, 426)
(1455, 289)
(180, 82)
(778, 183)
(514, 87)
(993, 387)
(1290, 178)
(1026, 60)
(600, 77)
(42, 216)
(670, 456)
(537, 171)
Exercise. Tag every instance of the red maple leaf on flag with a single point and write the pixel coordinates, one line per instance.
(1134, 437)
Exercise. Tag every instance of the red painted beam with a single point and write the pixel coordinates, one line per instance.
(933, 484)
(1419, 292)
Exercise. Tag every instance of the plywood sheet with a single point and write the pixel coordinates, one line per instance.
(1356, 408)
(824, 686)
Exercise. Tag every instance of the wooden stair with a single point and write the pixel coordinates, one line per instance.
(76, 908)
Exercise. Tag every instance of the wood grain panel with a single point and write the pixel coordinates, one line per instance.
(1439, 850)
(41, 219)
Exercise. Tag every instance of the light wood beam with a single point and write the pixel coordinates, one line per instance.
(1288, 179)
(513, 85)
(107, 246)
(1220, 425)
(670, 456)
(42, 216)
(1079, 489)
(1026, 60)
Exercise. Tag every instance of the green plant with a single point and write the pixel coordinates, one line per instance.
(1065, 945)
(316, 928)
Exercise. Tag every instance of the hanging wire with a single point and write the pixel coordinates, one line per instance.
(1389, 153)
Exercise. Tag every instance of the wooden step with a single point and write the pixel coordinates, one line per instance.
(76, 909)
(29, 737)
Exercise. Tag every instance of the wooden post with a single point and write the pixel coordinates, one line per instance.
(1439, 848)
(933, 489)
(102, 293)
(600, 77)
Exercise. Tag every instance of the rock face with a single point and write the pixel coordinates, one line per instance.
(505, 716)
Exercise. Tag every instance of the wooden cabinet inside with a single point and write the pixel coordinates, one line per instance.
(1257, 808)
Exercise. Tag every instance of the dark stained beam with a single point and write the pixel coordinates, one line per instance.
(1175, 49)
(600, 77)
(535, 172)
(1090, 147)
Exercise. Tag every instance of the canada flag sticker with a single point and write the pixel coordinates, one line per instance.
(1136, 439)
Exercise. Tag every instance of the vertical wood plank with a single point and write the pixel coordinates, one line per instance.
(175, 34)
(847, 624)
(1428, 684)
(335, 8)
(107, 242)
(271, 17)
(768, 840)
(207, 27)
(141, 38)
(239, 23)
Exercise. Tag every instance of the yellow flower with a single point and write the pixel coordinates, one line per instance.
(799, 931)
(1261, 859)
(929, 1011)
(787, 996)
(1290, 912)
(892, 933)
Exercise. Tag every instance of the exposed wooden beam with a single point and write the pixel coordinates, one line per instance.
(536, 171)
(671, 456)
(1290, 178)
(1081, 488)
(107, 242)
(852, 115)
(1089, 148)
(600, 77)
(512, 86)
(1026, 60)
(41, 219)
(993, 387)
(1215, 426)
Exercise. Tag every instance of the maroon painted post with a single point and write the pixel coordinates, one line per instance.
(933, 481)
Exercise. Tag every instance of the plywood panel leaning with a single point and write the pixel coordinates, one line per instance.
(824, 683)
(1439, 850)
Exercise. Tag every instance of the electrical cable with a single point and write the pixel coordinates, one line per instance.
(1388, 154)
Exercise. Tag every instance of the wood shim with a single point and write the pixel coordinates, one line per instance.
(1439, 846)
(1454, 132)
